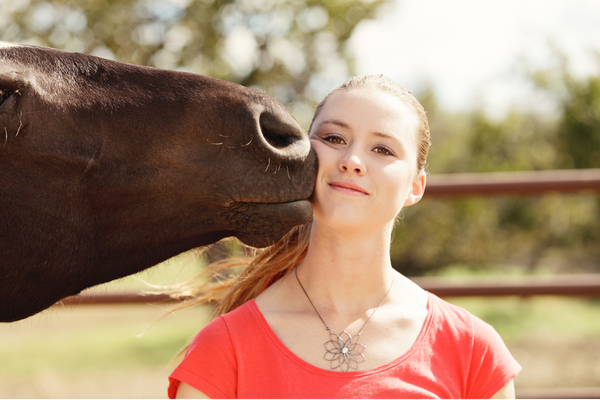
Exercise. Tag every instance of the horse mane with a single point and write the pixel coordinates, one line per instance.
(70, 66)
(83, 80)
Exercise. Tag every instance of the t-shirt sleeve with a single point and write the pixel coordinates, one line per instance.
(210, 364)
(492, 365)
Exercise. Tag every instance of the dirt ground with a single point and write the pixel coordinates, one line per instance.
(550, 363)
(140, 384)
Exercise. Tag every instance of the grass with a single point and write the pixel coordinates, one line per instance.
(90, 338)
(517, 318)
(555, 339)
(86, 342)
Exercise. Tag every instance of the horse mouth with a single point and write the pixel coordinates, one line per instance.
(278, 211)
(263, 224)
(291, 208)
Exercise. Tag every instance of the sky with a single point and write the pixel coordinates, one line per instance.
(476, 52)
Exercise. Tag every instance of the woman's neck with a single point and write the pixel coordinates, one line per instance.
(347, 272)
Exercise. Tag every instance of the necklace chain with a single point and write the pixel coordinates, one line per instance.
(343, 351)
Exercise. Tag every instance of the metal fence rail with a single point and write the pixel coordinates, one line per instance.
(559, 285)
(513, 183)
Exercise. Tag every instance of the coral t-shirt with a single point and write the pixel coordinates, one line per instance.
(456, 355)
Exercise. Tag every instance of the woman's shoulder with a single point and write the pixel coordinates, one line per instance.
(448, 312)
(242, 317)
(225, 326)
(458, 323)
(464, 339)
(453, 319)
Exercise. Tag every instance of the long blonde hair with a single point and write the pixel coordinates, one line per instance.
(229, 283)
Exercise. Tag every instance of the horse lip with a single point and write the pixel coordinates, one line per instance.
(296, 210)
(236, 203)
(266, 203)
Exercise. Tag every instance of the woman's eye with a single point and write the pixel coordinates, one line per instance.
(382, 150)
(334, 139)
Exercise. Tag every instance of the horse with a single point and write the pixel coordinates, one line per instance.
(107, 169)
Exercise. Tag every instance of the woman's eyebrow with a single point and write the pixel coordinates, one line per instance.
(335, 122)
(389, 136)
(384, 135)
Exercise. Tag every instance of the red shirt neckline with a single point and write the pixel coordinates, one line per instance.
(340, 374)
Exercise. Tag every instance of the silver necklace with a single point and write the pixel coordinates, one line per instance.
(343, 351)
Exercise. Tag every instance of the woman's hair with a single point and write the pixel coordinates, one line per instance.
(227, 289)
(223, 285)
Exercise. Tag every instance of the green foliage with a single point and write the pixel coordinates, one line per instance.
(556, 232)
(578, 132)
(288, 48)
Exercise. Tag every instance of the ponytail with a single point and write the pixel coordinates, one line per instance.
(225, 286)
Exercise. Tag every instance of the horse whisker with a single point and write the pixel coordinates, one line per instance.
(247, 144)
(288, 172)
(268, 165)
(89, 164)
(216, 144)
(19, 130)
(20, 122)
(5, 136)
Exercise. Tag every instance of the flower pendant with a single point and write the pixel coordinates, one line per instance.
(344, 351)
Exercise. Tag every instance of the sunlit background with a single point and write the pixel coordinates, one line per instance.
(474, 52)
(508, 85)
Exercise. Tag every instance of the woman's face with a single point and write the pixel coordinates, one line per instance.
(365, 140)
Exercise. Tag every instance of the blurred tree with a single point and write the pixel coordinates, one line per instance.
(294, 50)
(559, 232)
(578, 134)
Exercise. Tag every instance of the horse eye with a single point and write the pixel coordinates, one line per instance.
(4, 95)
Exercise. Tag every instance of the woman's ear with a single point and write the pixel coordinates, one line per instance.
(417, 191)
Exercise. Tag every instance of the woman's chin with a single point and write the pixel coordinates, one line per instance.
(345, 223)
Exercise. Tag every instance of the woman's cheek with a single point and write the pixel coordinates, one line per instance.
(324, 155)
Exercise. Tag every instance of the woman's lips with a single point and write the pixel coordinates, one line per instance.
(348, 188)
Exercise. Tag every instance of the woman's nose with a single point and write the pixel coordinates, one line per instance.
(352, 163)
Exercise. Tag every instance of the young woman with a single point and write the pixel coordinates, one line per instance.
(322, 314)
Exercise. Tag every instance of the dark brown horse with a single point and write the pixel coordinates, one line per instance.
(107, 169)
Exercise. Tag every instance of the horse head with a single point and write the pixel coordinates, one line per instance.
(107, 169)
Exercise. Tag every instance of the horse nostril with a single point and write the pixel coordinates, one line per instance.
(278, 139)
(277, 133)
